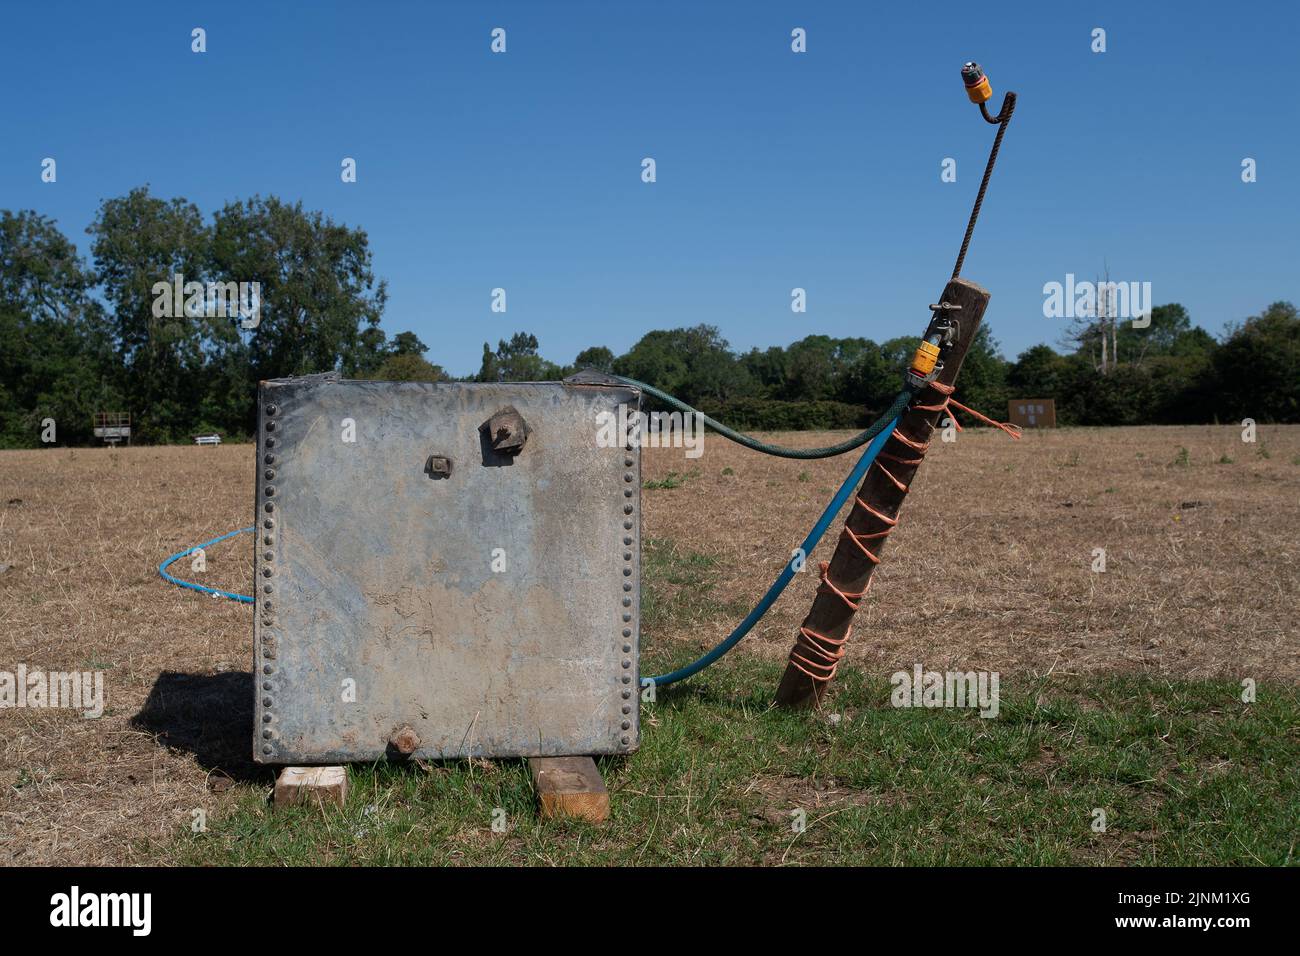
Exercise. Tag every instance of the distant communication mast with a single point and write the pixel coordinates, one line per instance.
(113, 427)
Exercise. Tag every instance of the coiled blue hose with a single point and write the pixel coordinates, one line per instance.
(162, 569)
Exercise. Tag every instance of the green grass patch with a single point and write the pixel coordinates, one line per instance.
(1185, 773)
(674, 479)
(678, 590)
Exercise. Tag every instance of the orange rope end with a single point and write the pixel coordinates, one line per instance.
(1008, 427)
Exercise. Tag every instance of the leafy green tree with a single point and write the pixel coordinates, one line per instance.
(597, 357)
(517, 360)
(407, 343)
(898, 352)
(488, 371)
(1195, 342)
(75, 340)
(768, 370)
(399, 359)
(56, 357)
(520, 361)
(1168, 323)
(695, 364)
(372, 349)
(816, 366)
(810, 369)
(408, 367)
(656, 361)
(138, 241)
(1256, 371)
(41, 274)
(982, 383)
(319, 295)
(872, 380)
(1122, 396)
(1037, 373)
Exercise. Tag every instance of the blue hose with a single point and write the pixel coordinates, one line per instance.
(788, 572)
(162, 569)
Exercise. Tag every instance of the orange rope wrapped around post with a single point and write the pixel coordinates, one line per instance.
(845, 579)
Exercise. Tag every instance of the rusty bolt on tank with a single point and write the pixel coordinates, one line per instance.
(438, 466)
(506, 431)
(404, 740)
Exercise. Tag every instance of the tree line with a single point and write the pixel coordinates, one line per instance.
(82, 335)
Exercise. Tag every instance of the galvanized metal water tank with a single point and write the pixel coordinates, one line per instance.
(446, 570)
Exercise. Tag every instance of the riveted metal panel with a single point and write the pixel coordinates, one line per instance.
(492, 609)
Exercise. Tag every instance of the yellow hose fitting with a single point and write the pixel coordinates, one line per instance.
(977, 84)
(924, 359)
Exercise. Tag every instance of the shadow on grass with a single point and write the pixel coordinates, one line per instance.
(208, 715)
(737, 686)
(676, 696)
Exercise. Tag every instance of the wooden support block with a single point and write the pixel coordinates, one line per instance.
(317, 785)
(570, 787)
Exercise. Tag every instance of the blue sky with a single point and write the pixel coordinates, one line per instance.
(775, 170)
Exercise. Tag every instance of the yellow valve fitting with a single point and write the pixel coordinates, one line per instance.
(923, 361)
(977, 84)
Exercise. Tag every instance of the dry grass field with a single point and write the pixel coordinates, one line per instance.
(990, 569)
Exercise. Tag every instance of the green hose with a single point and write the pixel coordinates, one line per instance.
(830, 451)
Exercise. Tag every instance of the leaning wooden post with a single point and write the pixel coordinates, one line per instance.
(850, 569)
